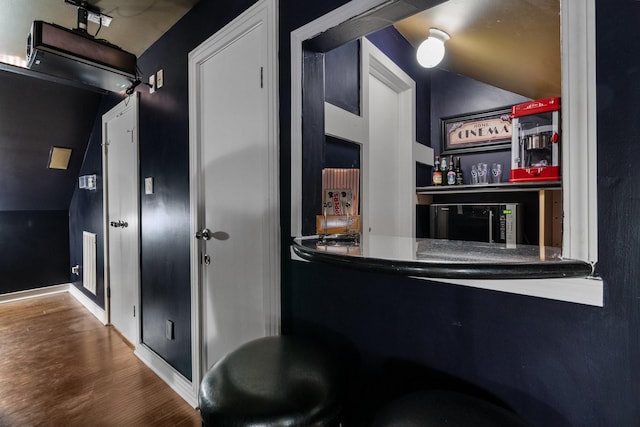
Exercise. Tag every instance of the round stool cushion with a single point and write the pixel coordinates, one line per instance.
(435, 408)
(273, 381)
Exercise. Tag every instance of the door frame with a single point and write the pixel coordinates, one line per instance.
(129, 102)
(265, 12)
(378, 65)
(345, 125)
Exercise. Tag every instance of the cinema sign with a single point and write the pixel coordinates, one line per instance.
(481, 131)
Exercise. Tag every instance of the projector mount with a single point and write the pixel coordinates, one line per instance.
(88, 12)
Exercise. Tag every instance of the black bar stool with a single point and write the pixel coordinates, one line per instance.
(439, 408)
(273, 382)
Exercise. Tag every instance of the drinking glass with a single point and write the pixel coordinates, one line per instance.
(482, 173)
(474, 174)
(496, 172)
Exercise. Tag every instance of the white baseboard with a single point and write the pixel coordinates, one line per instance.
(34, 293)
(168, 374)
(93, 308)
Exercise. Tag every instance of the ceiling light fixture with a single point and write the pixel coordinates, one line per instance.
(431, 51)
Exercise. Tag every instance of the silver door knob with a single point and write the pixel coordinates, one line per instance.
(205, 234)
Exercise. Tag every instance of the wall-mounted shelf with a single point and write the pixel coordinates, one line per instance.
(490, 188)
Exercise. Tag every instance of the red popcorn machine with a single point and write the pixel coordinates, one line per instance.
(535, 141)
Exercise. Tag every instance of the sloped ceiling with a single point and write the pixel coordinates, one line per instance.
(136, 24)
(36, 114)
(510, 44)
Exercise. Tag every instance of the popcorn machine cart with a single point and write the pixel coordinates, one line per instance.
(535, 141)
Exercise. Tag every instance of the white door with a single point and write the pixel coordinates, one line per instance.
(389, 165)
(237, 254)
(120, 165)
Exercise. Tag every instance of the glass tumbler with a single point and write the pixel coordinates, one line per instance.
(496, 172)
(483, 173)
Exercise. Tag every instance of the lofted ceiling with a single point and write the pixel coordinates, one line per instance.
(510, 44)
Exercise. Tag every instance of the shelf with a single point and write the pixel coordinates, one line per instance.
(490, 188)
(549, 202)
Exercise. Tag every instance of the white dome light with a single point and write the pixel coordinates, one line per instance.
(431, 51)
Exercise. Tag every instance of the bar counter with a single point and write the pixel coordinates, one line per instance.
(440, 258)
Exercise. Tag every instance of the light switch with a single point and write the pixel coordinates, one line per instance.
(152, 83)
(148, 185)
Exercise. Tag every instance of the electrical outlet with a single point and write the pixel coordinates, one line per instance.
(159, 79)
(148, 185)
(169, 331)
(152, 83)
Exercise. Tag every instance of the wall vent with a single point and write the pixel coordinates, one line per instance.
(89, 261)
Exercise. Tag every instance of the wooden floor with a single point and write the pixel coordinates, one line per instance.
(59, 366)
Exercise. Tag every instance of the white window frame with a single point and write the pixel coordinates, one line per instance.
(579, 150)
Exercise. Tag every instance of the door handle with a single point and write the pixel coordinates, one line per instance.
(205, 234)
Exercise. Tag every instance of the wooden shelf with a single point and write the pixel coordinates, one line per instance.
(490, 188)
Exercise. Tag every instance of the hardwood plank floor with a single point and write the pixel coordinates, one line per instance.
(59, 366)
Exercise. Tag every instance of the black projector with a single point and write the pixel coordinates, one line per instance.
(78, 57)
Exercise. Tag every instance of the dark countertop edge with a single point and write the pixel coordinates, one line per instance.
(541, 270)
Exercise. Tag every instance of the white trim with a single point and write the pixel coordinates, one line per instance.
(264, 11)
(90, 305)
(130, 102)
(422, 154)
(581, 291)
(374, 63)
(344, 124)
(34, 293)
(351, 127)
(182, 386)
(579, 131)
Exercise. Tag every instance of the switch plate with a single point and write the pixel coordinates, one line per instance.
(152, 83)
(169, 330)
(148, 185)
(159, 79)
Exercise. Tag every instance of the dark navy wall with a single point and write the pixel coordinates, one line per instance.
(34, 250)
(86, 208)
(342, 77)
(453, 95)
(35, 115)
(554, 363)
